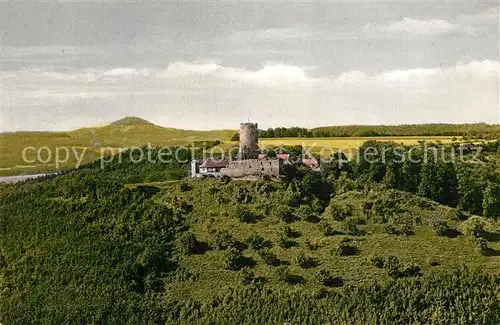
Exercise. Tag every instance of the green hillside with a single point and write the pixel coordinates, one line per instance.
(217, 214)
(126, 132)
(354, 244)
(130, 120)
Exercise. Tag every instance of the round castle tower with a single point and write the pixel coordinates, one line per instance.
(249, 141)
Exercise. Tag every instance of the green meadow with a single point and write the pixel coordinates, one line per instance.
(28, 152)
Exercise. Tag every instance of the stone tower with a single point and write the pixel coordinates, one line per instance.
(249, 141)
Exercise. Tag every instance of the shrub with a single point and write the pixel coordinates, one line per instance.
(225, 179)
(474, 226)
(247, 276)
(350, 227)
(256, 242)
(432, 262)
(283, 274)
(481, 245)
(305, 212)
(393, 266)
(233, 259)
(320, 293)
(338, 212)
(3, 262)
(310, 245)
(326, 229)
(401, 225)
(346, 248)
(187, 243)
(305, 261)
(267, 188)
(288, 232)
(213, 189)
(441, 228)
(283, 213)
(284, 242)
(184, 187)
(411, 270)
(224, 240)
(378, 261)
(269, 257)
(396, 269)
(245, 215)
(242, 195)
(359, 220)
(325, 278)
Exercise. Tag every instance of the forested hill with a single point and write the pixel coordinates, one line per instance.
(357, 243)
(478, 130)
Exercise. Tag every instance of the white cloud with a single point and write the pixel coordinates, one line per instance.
(479, 69)
(269, 75)
(210, 95)
(407, 75)
(127, 72)
(352, 77)
(417, 27)
(179, 69)
(271, 34)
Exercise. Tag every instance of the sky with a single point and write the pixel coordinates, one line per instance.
(206, 65)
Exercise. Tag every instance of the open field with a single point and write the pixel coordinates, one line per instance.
(13, 163)
(347, 145)
(88, 144)
(326, 146)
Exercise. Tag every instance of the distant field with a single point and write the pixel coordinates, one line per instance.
(326, 146)
(90, 141)
(81, 141)
(86, 144)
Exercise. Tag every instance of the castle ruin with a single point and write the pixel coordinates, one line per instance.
(248, 165)
(249, 141)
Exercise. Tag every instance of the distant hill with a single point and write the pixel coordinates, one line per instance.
(126, 132)
(130, 120)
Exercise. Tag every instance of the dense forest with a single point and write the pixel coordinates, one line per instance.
(478, 131)
(384, 241)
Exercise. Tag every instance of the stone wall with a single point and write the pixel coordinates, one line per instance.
(253, 167)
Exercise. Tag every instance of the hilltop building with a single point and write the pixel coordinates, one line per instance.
(249, 141)
(249, 163)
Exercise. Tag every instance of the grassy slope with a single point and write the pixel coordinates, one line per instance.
(208, 217)
(127, 132)
(132, 131)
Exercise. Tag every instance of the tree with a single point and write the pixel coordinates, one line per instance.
(235, 137)
(491, 200)
(410, 171)
(474, 226)
(470, 188)
(447, 184)
(271, 153)
(428, 184)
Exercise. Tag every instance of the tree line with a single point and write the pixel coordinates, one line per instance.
(469, 182)
(478, 131)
